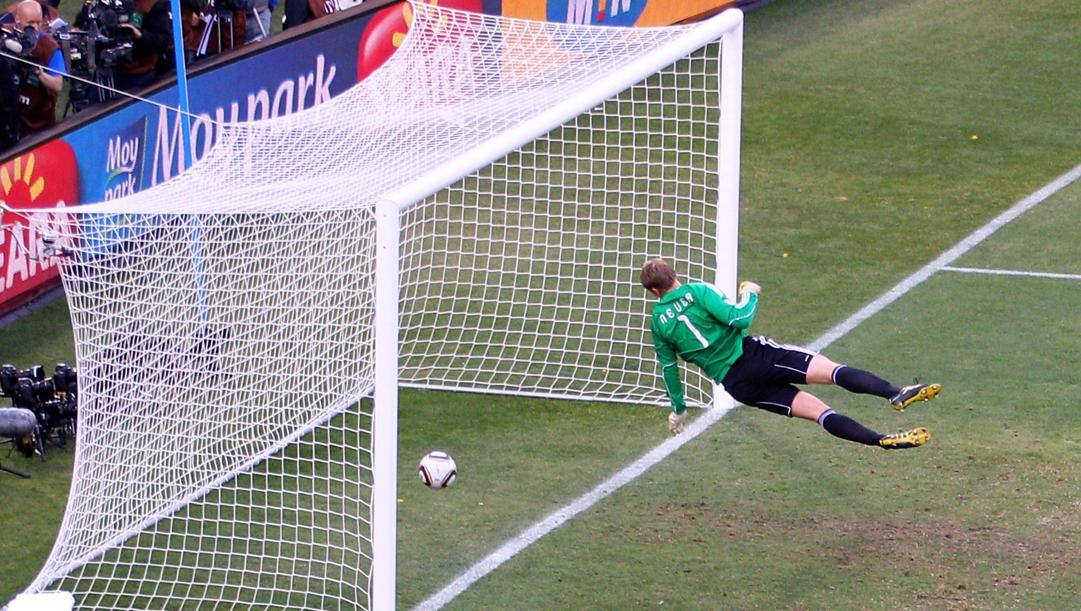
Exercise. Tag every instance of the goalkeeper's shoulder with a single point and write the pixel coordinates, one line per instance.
(706, 290)
(710, 291)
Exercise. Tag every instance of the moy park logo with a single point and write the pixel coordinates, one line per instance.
(124, 161)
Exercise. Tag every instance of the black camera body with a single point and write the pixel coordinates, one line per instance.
(106, 19)
(95, 48)
(53, 400)
(19, 43)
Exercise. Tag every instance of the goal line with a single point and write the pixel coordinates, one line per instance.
(631, 472)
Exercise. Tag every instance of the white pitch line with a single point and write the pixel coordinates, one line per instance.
(1011, 272)
(561, 515)
(556, 519)
(946, 258)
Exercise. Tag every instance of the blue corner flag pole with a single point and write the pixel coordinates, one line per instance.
(181, 80)
(188, 153)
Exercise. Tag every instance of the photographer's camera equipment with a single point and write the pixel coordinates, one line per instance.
(222, 19)
(19, 425)
(19, 42)
(94, 50)
(52, 401)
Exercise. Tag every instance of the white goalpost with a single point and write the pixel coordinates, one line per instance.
(471, 217)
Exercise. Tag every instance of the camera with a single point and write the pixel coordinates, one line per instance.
(94, 50)
(53, 400)
(106, 18)
(19, 43)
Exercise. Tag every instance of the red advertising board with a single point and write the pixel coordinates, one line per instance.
(46, 177)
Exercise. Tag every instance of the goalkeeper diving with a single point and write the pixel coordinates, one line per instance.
(699, 324)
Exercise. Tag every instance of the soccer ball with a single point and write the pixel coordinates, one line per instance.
(437, 469)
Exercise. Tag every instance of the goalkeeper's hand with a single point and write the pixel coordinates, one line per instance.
(747, 287)
(675, 422)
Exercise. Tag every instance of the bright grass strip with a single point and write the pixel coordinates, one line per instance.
(629, 473)
(1011, 272)
(943, 260)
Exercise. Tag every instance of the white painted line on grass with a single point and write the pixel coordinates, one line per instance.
(1011, 272)
(561, 515)
(556, 519)
(946, 258)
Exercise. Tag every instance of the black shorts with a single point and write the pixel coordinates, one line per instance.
(764, 375)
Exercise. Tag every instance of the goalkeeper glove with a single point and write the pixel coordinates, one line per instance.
(747, 287)
(675, 422)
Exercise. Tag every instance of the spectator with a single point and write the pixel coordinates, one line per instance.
(9, 105)
(258, 23)
(303, 11)
(41, 84)
(152, 37)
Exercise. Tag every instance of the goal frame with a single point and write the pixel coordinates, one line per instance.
(726, 27)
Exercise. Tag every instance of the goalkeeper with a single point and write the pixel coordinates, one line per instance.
(698, 324)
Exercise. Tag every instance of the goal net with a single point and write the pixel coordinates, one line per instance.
(470, 217)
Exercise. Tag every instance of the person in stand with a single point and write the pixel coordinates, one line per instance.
(10, 123)
(40, 84)
(303, 11)
(151, 28)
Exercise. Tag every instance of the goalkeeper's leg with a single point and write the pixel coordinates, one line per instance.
(809, 407)
(824, 371)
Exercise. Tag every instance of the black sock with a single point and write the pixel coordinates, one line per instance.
(858, 380)
(847, 428)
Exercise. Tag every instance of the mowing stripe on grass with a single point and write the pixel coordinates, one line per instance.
(558, 517)
(1011, 272)
(946, 258)
(554, 520)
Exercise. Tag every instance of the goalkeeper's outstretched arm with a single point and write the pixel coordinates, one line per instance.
(673, 385)
(666, 356)
(740, 314)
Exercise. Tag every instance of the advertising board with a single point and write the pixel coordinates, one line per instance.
(133, 145)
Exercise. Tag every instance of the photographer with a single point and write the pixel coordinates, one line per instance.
(152, 34)
(215, 26)
(257, 25)
(49, 12)
(303, 11)
(10, 128)
(40, 85)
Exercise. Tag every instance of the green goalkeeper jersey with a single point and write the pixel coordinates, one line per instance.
(697, 323)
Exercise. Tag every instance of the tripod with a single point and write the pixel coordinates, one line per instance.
(84, 96)
(221, 19)
(22, 474)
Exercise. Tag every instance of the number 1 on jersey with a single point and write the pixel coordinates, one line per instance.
(687, 321)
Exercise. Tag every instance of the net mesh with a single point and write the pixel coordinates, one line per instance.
(522, 278)
(224, 319)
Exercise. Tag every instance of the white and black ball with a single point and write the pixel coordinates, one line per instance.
(437, 469)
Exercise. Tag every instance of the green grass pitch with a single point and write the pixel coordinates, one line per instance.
(859, 162)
